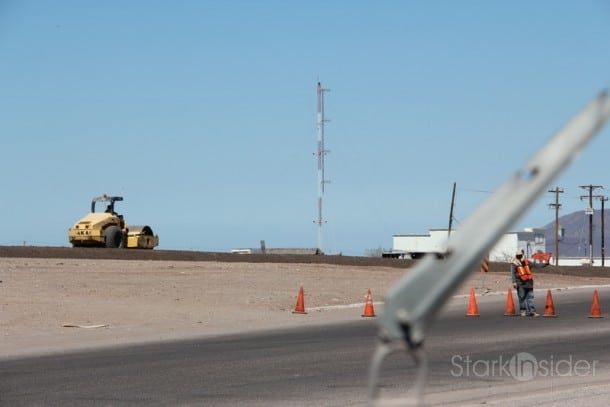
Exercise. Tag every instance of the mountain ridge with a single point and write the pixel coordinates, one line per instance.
(574, 242)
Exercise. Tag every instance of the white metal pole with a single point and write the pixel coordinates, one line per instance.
(320, 125)
(321, 153)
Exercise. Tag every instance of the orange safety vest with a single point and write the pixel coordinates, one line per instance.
(524, 271)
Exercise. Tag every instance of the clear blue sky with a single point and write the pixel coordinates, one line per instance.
(202, 114)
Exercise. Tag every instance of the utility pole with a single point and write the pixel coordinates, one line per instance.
(603, 199)
(451, 211)
(321, 153)
(589, 212)
(556, 206)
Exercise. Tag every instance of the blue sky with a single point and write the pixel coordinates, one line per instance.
(202, 114)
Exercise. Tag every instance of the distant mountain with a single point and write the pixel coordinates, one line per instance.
(575, 239)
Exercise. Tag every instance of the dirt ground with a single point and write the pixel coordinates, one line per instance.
(116, 302)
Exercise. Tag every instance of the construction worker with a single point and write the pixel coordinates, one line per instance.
(523, 281)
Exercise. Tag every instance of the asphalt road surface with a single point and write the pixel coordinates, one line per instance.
(491, 359)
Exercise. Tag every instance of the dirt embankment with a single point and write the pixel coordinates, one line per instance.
(42, 252)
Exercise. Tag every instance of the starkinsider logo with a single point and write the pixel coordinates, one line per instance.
(522, 366)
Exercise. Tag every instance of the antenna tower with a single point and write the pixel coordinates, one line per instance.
(321, 153)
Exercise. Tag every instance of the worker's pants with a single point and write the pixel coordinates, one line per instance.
(526, 299)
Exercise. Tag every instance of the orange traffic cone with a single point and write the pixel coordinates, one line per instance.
(509, 311)
(300, 306)
(549, 308)
(595, 310)
(369, 311)
(473, 310)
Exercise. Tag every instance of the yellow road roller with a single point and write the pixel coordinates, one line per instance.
(109, 229)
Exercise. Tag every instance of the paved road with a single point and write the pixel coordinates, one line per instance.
(327, 366)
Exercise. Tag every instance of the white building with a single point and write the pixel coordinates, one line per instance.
(531, 240)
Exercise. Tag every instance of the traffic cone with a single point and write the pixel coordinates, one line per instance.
(369, 311)
(300, 306)
(549, 308)
(473, 310)
(509, 311)
(595, 310)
